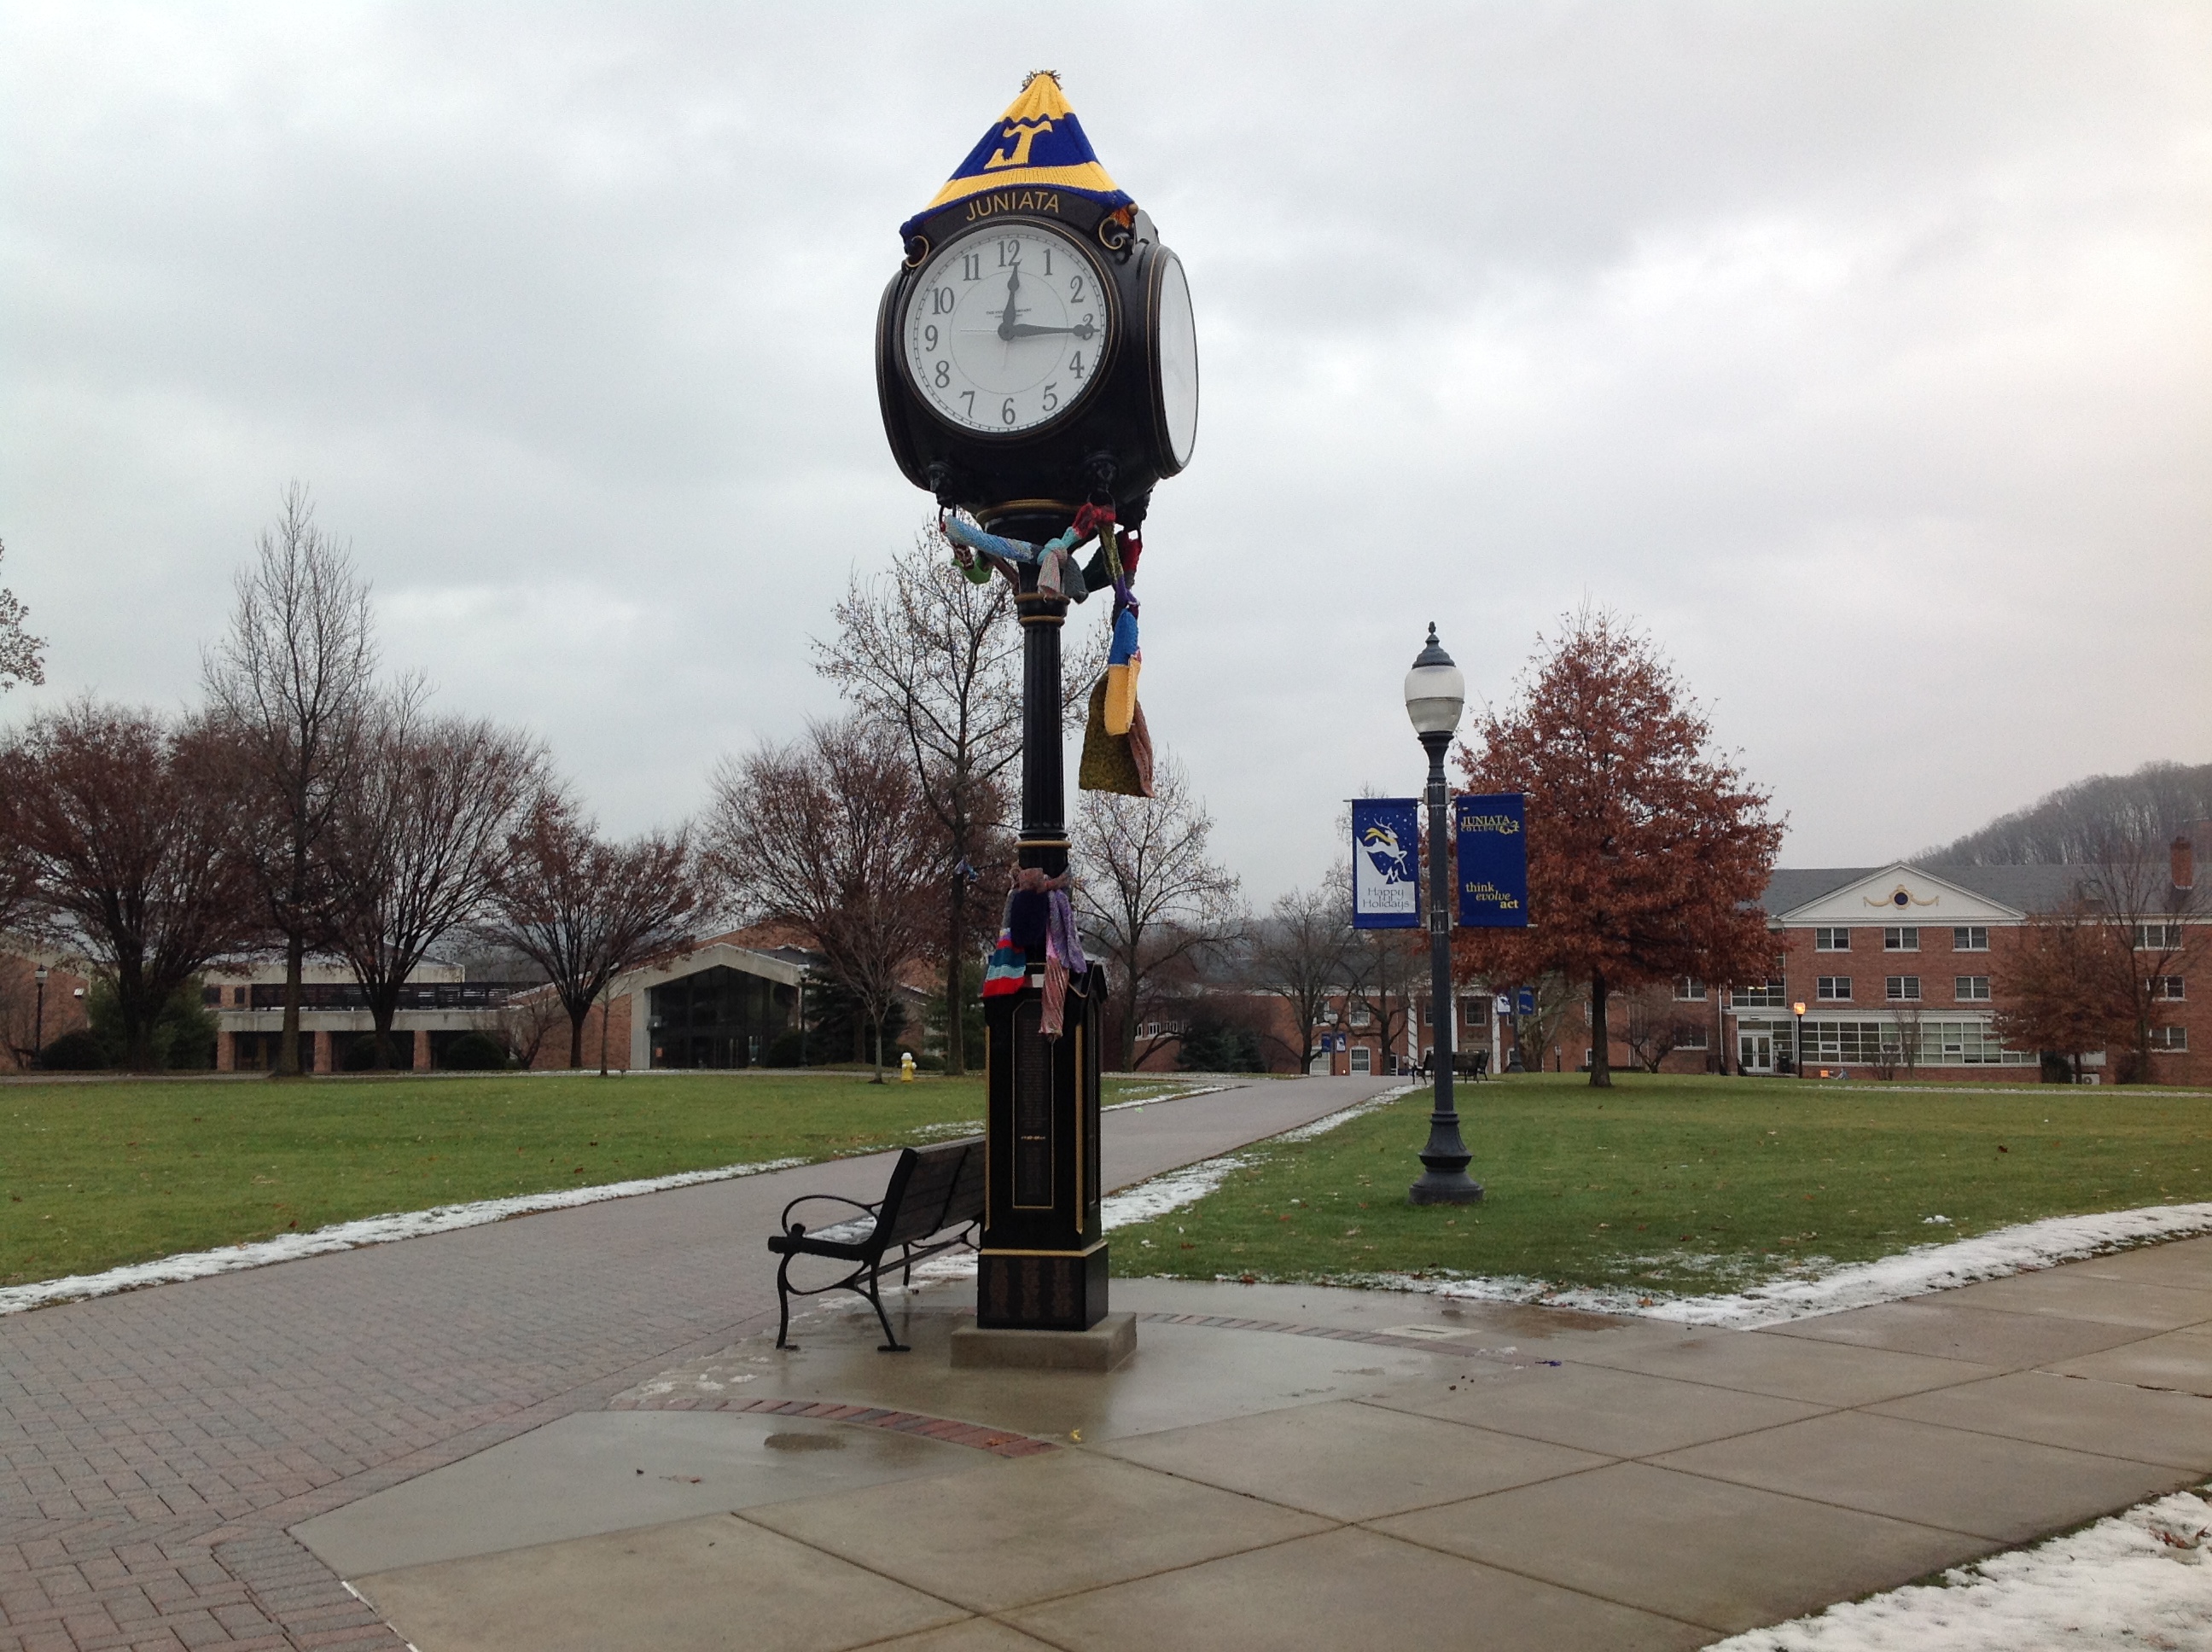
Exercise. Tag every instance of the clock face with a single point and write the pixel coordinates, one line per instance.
(1005, 330)
(1175, 364)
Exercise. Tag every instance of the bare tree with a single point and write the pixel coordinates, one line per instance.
(1654, 1024)
(939, 657)
(2153, 932)
(587, 911)
(522, 1022)
(292, 683)
(20, 660)
(830, 833)
(1300, 953)
(1387, 968)
(131, 824)
(420, 840)
(1148, 894)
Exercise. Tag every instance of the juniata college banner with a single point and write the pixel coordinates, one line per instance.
(1386, 863)
(1493, 859)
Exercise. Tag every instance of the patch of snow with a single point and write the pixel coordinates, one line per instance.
(1321, 1126)
(1170, 1192)
(349, 1236)
(1806, 1292)
(2136, 1579)
(1152, 1096)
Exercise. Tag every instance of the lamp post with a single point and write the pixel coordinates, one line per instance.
(1435, 694)
(1797, 1048)
(39, 1016)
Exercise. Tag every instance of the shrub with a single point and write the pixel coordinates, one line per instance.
(73, 1051)
(473, 1053)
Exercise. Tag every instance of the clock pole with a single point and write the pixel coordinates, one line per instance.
(1036, 351)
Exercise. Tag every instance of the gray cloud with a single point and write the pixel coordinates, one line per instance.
(1861, 350)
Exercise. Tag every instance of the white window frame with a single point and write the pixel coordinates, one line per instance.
(2171, 1041)
(1893, 989)
(1971, 989)
(1832, 989)
(2157, 938)
(1363, 1059)
(1901, 937)
(1976, 937)
(1688, 989)
(1359, 1015)
(2169, 989)
(1825, 937)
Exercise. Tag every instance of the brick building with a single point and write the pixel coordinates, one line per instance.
(1899, 967)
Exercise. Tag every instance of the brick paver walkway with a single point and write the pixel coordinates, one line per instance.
(156, 1445)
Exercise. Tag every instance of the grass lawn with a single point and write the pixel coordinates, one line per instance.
(1681, 1186)
(99, 1174)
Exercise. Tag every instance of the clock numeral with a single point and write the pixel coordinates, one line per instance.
(970, 396)
(1010, 254)
(1006, 413)
(943, 375)
(1075, 289)
(971, 266)
(1051, 397)
(929, 339)
(941, 299)
(1047, 260)
(1075, 365)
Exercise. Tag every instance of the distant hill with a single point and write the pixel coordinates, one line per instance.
(2157, 803)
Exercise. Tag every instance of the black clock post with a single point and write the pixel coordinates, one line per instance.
(1034, 354)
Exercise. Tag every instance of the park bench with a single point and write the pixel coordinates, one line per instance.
(934, 1202)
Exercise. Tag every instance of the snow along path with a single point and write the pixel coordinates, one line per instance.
(2021, 1250)
(2134, 1581)
(349, 1235)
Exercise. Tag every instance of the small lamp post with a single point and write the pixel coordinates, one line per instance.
(1797, 1048)
(1435, 694)
(39, 1016)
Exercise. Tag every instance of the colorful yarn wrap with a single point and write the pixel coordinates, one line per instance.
(1124, 660)
(1040, 921)
(977, 552)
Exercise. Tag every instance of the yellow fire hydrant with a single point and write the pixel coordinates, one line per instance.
(906, 1066)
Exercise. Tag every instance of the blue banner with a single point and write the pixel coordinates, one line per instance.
(1493, 860)
(1386, 863)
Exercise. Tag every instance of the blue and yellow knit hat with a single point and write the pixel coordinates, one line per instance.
(1037, 142)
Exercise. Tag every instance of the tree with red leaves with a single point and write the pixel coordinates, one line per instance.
(1648, 852)
(129, 824)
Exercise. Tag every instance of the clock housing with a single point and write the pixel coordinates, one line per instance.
(1128, 420)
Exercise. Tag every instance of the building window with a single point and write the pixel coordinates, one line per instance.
(2170, 987)
(2154, 938)
(1688, 989)
(1902, 989)
(1774, 995)
(1906, 939)
(1972, 989)
(2169, 1038)
(1473, 1011)
(1359, 1014)
(1689, 1038)
(1834, 989)
(1428, 1013)
(1970, 938)
(1363, 1059)
(1835, 939)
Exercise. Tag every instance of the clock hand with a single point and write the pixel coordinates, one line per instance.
(1024, 330)
(1007, 321)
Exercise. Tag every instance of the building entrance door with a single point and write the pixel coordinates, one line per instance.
(1756, 1052)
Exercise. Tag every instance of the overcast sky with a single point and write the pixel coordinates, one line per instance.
(1863, 353)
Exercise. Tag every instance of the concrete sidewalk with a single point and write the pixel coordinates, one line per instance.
(1280, 1467)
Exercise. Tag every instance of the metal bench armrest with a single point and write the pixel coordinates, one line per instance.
(784, 1221)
